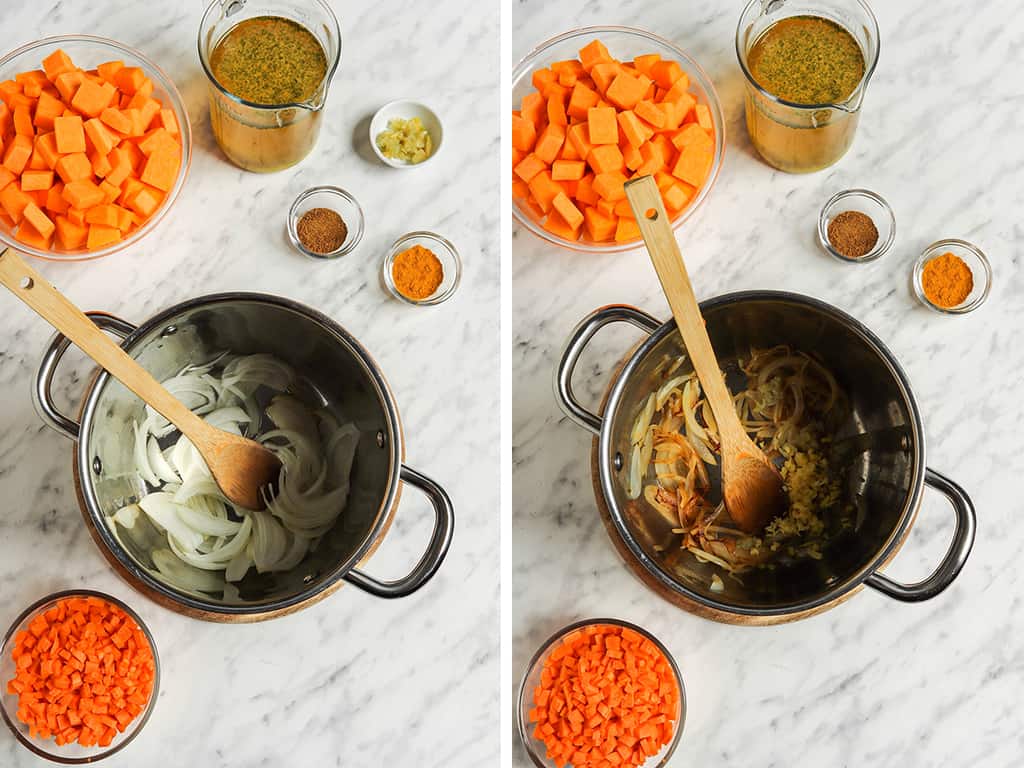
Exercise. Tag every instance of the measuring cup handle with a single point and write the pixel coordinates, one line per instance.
(42, 397)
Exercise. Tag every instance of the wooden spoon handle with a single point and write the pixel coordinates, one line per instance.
(653, 221)
(29, 286)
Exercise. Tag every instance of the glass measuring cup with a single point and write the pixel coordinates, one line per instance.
(260, 137)
(800, 138)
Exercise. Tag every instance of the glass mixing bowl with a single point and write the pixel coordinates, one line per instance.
(624, 43)
(88, 51)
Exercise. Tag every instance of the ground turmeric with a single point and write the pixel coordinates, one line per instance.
(947, 280)
(417, 273)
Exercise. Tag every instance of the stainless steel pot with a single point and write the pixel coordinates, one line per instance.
(334, 370)
(883, 442)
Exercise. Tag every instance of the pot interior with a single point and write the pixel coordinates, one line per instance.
(333, 372)
(879, 443)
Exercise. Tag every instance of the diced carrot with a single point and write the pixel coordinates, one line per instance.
(693, 165)
(631, 155)
(101, 165)
(35, 180)
(103, 214)
(111, 193)
(76, 216)
(676, 197)
(651, 113)
(568, 170)
(543, 188)
(585, 193)
(57, 63)
(17, 153)
(100, 236)
(644, 63)
(524, 134)
(570, 213)
(99, 136)
(602, 125)
(557, 226)
(91, 99)
(69, 134)
(82, 193)
(626, 90)
(23, 122)
(145, 202)
(604, 75)
(67, 84)
(581, 100)
(129, 79)
(626, 230)
(703, 112)
(610, 186)
(55, 202)
(594, 53)
(6, 177)
(606, 158)
(116, 119)
(633, 129)
(529, 167)
(690, 135)
(28, 235)
(121, 167)
(666, 73)
(47, 108)
(161, 168)
(556, 112)
(532, 107)
(126, 220)
(13, 201)
(35, 216)
(74, 167)
(579, 135)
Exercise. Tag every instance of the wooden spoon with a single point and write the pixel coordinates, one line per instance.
(751, 484)
(240, 467)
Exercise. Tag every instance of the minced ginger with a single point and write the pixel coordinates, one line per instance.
(407, 140)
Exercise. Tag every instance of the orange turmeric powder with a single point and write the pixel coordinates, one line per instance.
(947, 280)
(417, 272)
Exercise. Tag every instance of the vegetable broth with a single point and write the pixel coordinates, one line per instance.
(268, 61)
(812, 63)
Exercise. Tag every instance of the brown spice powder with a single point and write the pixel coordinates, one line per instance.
(322, 230)
(852, 233)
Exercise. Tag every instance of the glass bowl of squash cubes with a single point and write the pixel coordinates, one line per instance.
(596, 107)
(96, 146)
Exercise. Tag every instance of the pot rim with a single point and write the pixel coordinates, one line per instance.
(853, 581)
(393, 438)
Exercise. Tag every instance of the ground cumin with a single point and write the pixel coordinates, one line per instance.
(852, 233)
(322, 230)
(417, 272)
(947, 280)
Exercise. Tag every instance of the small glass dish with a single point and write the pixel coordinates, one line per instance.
(451, 266)
(74, 753)
(976, 261)
(867, 202)
(406, 109)
(534, 747)
(339, 201)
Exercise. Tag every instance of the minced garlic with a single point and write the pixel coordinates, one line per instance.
(406, 140)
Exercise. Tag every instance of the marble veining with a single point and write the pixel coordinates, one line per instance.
(352, 681)
(872, 682)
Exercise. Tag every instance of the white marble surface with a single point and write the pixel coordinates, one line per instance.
(872, 682)
(353, 681)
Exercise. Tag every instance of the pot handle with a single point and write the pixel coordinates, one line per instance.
(59, 343)
(581, 336)
(956, 555)
(440, 540)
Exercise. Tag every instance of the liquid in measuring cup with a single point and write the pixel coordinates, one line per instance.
(806, 79)
(268, 81)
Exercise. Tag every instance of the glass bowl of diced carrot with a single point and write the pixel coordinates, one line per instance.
(96, 146)
(601, 687)
(595, 107)
(79, 676)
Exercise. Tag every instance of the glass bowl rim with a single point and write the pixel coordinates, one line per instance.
(346, 247)
(186, 148)
(396, 248)
(549, 644)
(875, 253)
(143, 718)
(929, 253)
(693, 68)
